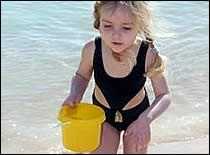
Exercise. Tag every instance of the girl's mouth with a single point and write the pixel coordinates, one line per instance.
(117, 43)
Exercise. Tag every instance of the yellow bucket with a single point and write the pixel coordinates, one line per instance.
(81, 126)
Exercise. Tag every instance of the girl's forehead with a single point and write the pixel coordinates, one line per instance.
(119, 11)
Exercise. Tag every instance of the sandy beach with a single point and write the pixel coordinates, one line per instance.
(196, 146)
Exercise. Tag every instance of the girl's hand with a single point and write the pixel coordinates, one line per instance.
(71, 101)
(140, 132)
(78, 86)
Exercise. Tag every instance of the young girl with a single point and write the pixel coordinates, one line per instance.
(122, 58)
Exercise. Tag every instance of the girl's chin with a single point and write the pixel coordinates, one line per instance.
(118, 50)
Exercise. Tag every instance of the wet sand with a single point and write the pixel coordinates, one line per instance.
(196, 146)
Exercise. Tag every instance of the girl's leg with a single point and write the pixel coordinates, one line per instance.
(129, 147)
(110, 140)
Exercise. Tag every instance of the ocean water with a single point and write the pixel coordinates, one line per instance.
(41, 45)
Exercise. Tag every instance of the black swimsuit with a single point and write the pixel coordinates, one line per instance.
(119, 91)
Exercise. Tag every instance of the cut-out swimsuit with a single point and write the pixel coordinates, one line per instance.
(119, 91)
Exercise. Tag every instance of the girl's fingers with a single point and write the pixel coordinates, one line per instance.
(140, 145)
(142, 142)
(130, 128)
(141, 137)
(128, 131)
(147, 136)
(71, 104)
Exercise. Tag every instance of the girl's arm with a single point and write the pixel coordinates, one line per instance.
(80, 80)
(140, 129)
(86, 64)
(162, 98)
(159, 84)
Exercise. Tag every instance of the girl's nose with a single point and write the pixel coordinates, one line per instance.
(116, 34)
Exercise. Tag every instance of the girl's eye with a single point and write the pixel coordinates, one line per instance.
(107, 26)
(127, 28)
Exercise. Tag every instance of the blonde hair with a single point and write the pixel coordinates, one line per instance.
(139, 9)
(143, 18)
(158, 66)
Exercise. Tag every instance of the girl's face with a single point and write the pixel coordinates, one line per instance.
(117, 27)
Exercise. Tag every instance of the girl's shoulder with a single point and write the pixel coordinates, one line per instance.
(88, 51)
(89, 45)
(88, 48)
